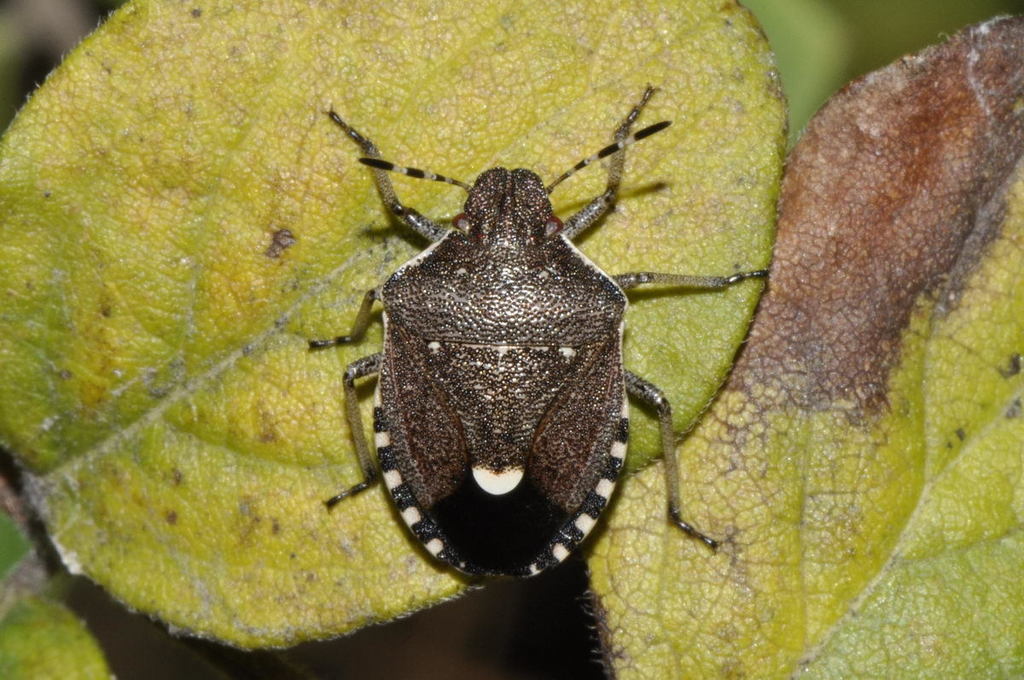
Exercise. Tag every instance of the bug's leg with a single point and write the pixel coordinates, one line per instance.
(600, 205)
(634, 279)
(369, 365)
(358, 327)
(417, 222)
(651, 395)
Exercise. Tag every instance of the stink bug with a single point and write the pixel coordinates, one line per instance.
(501, 413)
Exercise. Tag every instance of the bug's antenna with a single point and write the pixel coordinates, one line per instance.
(609, 150)
(412, 172)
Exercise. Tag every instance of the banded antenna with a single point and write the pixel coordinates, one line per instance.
(609, 150)
(411, 172)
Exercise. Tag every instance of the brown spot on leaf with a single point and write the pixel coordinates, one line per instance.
(268, 426)
(171, 516)
(1012, 368)
(1014, 409)
(892, 193)
(280, 241)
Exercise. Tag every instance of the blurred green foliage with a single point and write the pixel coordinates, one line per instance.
(823, 44)
(13, 546)
(820, 44)
(10, 64)
(40, 638)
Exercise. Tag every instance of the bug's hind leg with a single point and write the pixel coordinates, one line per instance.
(651, 395)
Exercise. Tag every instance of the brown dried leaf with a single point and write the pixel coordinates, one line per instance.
(894, 190)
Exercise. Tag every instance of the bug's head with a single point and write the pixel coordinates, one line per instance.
(508, 204)
(514, 204)
(511, 207)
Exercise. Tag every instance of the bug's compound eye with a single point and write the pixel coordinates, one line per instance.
(461, 222)
(552, 226)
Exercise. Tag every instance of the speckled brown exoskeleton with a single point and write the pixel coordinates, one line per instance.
(501, 413)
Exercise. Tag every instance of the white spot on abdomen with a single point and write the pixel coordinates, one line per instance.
(585, 523)
(434, 346)
(411, 515)
(567, 352)
(497, 482)
(392, 478)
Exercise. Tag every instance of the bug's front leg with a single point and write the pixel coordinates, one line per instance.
(368, 365)
(634, 279)
(652, 396)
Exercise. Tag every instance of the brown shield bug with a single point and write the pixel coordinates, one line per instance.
(501, 414)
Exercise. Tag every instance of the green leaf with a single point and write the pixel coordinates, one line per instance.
(864, 463)
(812, 45)
(13, 545)
(179, 216)
(39, 638)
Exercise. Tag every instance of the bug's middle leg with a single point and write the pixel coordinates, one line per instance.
(368, 365)
(358, 327)
(634, 279)
(593, 211)
(651, 395)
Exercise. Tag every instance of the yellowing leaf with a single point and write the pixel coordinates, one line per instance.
(179, 216)
(864, 463)
(41, 639)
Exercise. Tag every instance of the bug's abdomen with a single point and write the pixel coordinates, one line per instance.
(501, 446)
